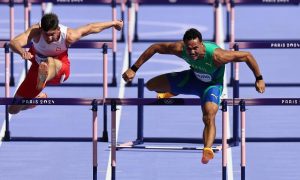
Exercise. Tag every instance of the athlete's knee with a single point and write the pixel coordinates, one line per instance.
(13, 109)
(150, 85)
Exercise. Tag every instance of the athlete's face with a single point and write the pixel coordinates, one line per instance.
(195, 49)
(51, 35)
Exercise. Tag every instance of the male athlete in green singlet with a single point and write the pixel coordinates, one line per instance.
(204, 78)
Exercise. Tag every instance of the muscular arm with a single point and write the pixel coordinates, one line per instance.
(223, 56)
(23, 39)
(161, 48)
(74, 35)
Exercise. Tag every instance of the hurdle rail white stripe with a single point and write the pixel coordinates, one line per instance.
(122, 146)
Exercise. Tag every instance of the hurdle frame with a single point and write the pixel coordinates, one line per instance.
(79, 44)
(242, 103)
(67, 101)
(158, 102)
(113, 102)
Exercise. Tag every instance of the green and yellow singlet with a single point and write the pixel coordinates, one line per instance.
(205, 69)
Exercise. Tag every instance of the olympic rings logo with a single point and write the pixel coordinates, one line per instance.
(169, 101)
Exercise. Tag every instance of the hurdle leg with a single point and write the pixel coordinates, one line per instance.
(7, 89)
(113, 139)
(140, 115)
(12, 34)
(236, 94)
(123, 18)
(95, 138)
(224, 140)
(243, 139)
(105, 90)
(114, 17)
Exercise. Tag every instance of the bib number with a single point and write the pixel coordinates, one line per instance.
(203, 77)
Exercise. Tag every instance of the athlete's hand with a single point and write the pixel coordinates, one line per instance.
(118, 25)
(26, 55)
(260, 86)
(128, 75)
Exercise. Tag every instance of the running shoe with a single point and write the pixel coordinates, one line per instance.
(208, 154)
(164, 95)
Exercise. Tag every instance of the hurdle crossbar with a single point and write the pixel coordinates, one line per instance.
(78, 44)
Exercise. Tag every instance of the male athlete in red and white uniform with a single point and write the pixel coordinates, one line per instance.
(49, 54)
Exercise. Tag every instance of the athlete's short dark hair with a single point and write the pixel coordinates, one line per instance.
(192, 33)
(49, 22)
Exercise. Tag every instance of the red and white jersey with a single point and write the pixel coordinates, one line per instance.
(53, 49)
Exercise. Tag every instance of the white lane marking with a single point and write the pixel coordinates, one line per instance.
(121, 95)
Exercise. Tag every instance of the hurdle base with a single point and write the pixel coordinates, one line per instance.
(6, 136)
(137, 144)
(104, 136)
(167, 148)
(181, 140)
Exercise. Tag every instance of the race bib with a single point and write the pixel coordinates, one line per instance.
(203, 77)
(40, 58)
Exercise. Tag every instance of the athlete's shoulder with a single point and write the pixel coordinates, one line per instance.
(210, 44)
(34, 31)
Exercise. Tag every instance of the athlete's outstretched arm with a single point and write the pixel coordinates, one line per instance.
(23, 39)
(224, 56)
(160, 48)
(74, 35)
